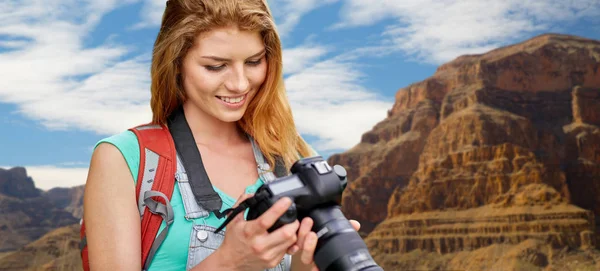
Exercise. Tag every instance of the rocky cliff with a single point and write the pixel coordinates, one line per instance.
(14, 182)
(68, 199)
(497, 148)
(25, 213)
(57, 250)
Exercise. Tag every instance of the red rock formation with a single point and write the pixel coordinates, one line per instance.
(512, 128)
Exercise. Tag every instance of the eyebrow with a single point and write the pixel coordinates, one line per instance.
(227, 59)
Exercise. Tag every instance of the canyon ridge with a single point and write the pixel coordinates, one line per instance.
(492, 163)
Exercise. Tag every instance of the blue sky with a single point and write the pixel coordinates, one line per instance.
(73, 72)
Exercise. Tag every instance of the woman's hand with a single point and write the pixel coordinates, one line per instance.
(307, 242)
(248, 245)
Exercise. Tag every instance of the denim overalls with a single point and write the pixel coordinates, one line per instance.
(203, 240)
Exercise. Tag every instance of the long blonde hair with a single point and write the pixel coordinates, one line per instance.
(268, 118)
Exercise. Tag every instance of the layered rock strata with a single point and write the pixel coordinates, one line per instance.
(493, 148)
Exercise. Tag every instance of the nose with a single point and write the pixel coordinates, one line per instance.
(237, 80)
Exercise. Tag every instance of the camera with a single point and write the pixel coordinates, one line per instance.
(316, 189)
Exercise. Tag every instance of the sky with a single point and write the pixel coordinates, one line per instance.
(74, 72)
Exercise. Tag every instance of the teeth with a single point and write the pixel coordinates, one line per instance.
(232, 100)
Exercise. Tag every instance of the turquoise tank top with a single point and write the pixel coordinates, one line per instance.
(173, 253)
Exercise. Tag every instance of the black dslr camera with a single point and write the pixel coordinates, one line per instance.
(315, 189)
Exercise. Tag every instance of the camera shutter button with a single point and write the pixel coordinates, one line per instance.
(290, 214)
(291, 211)
(322, 167)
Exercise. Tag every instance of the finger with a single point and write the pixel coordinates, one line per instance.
(308, 248)
(239, 218)
(268, 218)
(355, 224)
(293, 249)
(305, 228)
(240, 199)
(282, 238)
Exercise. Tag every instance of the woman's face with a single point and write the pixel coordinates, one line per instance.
(223, 71)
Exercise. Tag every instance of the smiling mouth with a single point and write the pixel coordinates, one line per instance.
(233, 100)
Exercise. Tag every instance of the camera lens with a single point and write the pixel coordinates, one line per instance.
(340, 247)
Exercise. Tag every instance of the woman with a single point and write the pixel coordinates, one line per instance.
(218, 63)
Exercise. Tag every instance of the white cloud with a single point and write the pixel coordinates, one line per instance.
(288, 13)
(107, 102)
(48, 177)
(151, 13)
(438, 31)
(43, 76)
(330, 102)
(299, 58)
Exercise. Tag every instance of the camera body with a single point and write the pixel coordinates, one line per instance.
(313, 183)
(316, 190)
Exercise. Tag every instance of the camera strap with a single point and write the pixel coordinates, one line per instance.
(200, 184)
(185, 144)
(248, 203)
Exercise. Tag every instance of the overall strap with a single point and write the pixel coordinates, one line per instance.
(192, 209)
(264, 169)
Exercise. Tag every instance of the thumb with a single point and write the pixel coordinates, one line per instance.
(240, 216)
(355, 224)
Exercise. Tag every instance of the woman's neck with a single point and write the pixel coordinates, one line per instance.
(208, 130)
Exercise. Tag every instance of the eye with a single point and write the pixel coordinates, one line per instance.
(214, 68)
(255, 63)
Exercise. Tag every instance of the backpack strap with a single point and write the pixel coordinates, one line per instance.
(83, 250)
(155, 182)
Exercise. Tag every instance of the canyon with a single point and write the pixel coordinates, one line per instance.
(495, 149)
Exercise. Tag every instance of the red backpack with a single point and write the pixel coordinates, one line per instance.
(156, 180)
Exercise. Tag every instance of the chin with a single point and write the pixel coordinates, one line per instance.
(231, 117)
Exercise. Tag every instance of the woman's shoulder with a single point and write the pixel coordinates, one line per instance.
(127, 144)
(124, 138)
